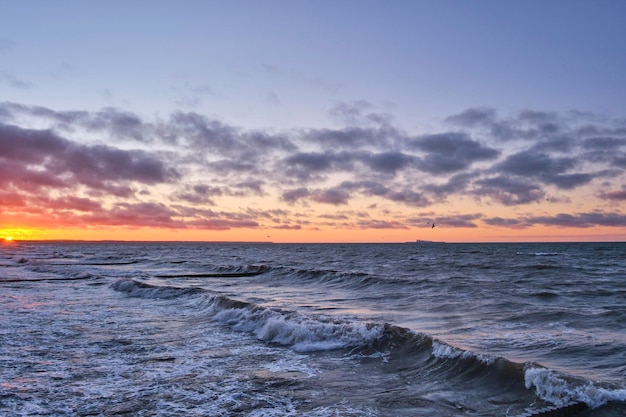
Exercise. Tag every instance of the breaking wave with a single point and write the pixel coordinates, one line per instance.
(420, 352)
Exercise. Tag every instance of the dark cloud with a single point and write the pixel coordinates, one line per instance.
(136, 214)
(288, 227)
(387, 162)
(566, 220)
(458, 220)
(450, 152)
(402, 195)
(569, 181)
(198, 194)
(547, 169)
(455, 184)
(40, 158)
(530, 125)
(473, 117)
(531, 163)
(509, 223)
(617, 195)
(304, 164)
(560, 144)
(381, 224)
(222, 224)
(408, 197)
(92, 164)
(255, 186)
(549, 120)
(120, 124)
(353, 137)
(28, 145)
(619, 161)
(200, 133)
(117, 124)
(75, 203)
(213, 138)
(229, 168)
(314, 161)
(604, 143)
(508, 191)
(581, 220)
(292, 196)
(335, 196)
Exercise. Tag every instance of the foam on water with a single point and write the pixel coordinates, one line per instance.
(559, 390)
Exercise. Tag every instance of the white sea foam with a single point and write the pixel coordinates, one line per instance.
(443, 351)
(557, 390)
(301, 333)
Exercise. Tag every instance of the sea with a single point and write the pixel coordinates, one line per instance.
(261, 329)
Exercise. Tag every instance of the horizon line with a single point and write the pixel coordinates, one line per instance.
(4, 240)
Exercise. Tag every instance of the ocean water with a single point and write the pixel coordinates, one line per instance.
(226, 329)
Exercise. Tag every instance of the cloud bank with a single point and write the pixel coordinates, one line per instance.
(116, 168)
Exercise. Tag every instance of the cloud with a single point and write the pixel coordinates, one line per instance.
(455, 184)
(222, 224)
(381, 224)
(356, 113)
(35, 159)
(302, 165)
(197, 194)
(531, 163)
(353, 137)
(473, 117)
(564, 220)
(115, 167)
(117, 124)
(581, 220)
(450, 152)
(335, 196)
(508, 223)
(294, 195)
(508, 191)
(387, 162)
(288, 227)
(458, 220)
(617, 195)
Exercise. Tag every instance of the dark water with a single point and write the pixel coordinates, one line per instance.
(149, 329)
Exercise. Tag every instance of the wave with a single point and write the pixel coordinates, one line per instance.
(348, 280)
(426, 355)
(539, 253)
(222, 272)
(562, 390)
(80, 277)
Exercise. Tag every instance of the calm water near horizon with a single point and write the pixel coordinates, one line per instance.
(243, 329)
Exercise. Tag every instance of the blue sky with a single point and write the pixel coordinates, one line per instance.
(489, 80)
(286, 63)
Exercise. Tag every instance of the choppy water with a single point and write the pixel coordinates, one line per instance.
(150, 329)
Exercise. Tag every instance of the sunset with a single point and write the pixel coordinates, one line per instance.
(319, 208)
(313, 121)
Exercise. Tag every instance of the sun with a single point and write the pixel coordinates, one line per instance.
(8, 239)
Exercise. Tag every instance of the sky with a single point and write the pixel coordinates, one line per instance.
(313, 121)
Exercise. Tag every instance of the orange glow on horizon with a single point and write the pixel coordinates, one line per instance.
(320, 235)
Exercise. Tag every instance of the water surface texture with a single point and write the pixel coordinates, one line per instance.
(199, 329)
